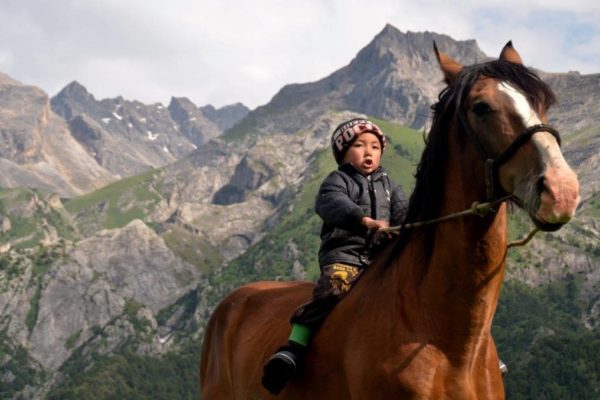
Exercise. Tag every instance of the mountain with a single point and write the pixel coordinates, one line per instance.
(37, 149)
(227, 116)
(395, 77)
(106, 294)
(125, 137)
(129, 137)
(192, 122)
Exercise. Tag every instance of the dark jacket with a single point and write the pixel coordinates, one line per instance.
(345, 197)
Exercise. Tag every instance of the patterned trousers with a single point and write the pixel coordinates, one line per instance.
(334, 283)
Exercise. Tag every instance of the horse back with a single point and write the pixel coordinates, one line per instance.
(242, 333)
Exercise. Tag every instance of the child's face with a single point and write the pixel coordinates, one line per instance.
(364, 153)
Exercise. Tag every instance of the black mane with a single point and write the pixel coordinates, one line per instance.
(425, 201)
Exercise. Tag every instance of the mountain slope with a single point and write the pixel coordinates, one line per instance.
(123, 136)
(129, 137)
(395, 77)
(37, 149)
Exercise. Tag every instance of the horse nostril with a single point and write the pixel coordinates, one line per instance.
(540, 185)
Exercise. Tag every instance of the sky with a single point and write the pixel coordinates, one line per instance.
(221, 52)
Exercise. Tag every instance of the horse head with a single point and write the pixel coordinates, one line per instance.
(501, 108)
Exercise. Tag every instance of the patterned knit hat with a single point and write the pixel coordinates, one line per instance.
(347, 132)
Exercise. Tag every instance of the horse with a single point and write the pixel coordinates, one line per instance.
(417, 325)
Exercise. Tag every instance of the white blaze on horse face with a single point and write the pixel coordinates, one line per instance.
(560, 194)
(544, 141)
(522, 106)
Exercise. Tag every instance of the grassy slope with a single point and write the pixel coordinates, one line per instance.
(27, 227)
(115, 205)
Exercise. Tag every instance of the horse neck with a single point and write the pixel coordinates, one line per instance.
(459, 288)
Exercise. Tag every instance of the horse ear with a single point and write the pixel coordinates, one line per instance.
(449, 67)
(509, 54)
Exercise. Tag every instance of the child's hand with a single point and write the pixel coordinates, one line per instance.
(374, 224)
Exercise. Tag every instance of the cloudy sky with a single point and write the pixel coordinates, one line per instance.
(225, 51)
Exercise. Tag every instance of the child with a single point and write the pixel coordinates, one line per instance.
(354, 202)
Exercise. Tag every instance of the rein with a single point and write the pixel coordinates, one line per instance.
(477, 208)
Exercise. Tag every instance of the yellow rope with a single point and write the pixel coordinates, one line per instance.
(479, 209)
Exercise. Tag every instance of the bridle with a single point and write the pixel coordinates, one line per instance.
(492, 165)
(495, 194)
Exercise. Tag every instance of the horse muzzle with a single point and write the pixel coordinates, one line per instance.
(552, 198)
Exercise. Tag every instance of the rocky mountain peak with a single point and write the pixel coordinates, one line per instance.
(75, 90)
(395, 77)
(72, 100)
(37, 149)
(411, 53)
(191, 121)
(226, 116)
(181, 108)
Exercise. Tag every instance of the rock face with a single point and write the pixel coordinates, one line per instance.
(89, 286)
(226, 192)
(36, 147)
(249, 175)
(192, 122)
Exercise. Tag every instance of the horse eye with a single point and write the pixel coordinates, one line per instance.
(481, 109)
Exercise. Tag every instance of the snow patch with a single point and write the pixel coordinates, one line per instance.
(106, 120)
(117, 116)
(152, 136)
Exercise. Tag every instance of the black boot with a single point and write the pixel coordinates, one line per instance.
(282, 366)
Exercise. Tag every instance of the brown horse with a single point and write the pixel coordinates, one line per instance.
(417, 324)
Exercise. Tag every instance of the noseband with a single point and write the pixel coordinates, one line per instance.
(492, 165)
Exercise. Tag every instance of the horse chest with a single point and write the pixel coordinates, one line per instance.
(420, 371)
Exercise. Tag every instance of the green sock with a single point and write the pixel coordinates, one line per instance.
(300, 334)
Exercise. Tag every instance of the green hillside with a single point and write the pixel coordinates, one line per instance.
(31, 218)
(540, 336)
(115, 205)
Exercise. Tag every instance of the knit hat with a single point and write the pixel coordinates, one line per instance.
(347, 132)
